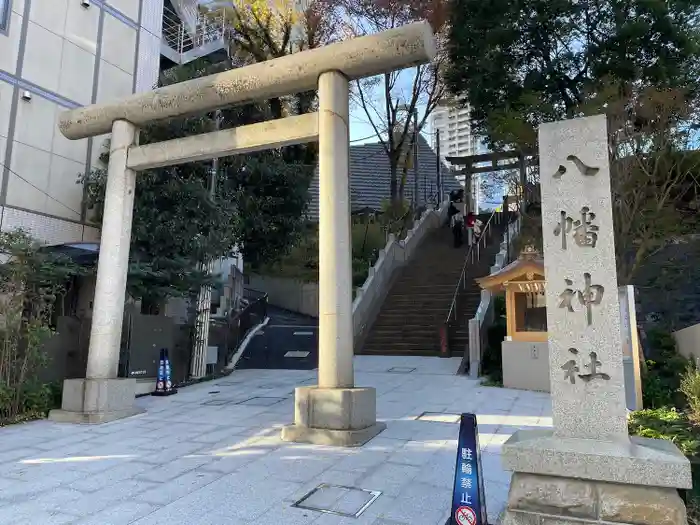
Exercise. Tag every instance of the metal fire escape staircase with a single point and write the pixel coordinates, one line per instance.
(188, 34)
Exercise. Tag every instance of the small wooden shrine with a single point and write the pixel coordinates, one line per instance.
(524, 285)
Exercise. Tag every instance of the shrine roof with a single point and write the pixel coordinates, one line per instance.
(529, 264)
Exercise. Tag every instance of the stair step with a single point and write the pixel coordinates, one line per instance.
(398, 352)
(415, 308)
(417, 338)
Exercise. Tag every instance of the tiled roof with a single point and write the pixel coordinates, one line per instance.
(370, 177)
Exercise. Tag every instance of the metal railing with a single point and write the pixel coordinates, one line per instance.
(209, 27)
(252, 313)
(474, 254)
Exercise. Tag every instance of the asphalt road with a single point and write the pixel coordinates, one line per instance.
(288, 342)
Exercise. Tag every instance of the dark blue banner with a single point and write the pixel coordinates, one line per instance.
(468, 506)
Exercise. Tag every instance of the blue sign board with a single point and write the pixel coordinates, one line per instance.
(468, 506)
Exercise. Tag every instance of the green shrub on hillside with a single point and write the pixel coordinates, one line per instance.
(662, 381)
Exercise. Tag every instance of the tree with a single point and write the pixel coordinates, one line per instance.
(520, 63)
(390, 101)
(655, 173)
(31, 282)
(261, 30)
(655, 178)
(177, 225)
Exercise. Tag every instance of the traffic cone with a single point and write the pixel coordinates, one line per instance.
(164, 384)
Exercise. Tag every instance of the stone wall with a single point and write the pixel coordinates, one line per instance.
(668, 286)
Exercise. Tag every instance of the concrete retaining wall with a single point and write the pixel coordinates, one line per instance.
(290, 294)
(688, 341)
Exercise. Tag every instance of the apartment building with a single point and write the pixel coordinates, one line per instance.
(55, 55)
(456, 140)
(456, 137)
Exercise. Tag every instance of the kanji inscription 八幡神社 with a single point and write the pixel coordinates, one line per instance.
(583, 317)
(589, 449)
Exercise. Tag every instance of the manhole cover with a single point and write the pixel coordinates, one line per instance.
(401, 370)
(297, 354)
(335, 499)
(439, 417)
(261, 401)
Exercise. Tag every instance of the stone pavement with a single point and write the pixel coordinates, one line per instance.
(212, 455)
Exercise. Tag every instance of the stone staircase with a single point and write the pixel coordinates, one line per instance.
(418, 302)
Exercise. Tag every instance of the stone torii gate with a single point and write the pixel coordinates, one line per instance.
(334, 412)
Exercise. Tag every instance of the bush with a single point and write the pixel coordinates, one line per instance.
(492, 358)
(662, 381)
(30, 283)
(669, 424)
(690, 387)
(675, 426)
(302, 261)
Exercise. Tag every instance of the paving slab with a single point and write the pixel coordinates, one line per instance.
(184, 462)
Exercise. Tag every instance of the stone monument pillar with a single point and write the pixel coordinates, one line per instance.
(334, 412)
(587, 470)
(101, 396)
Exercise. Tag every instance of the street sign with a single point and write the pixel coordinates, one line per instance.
(468, 502)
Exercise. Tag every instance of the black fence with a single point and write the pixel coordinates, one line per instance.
(144, 335)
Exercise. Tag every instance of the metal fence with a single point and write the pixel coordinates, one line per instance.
(228, 333)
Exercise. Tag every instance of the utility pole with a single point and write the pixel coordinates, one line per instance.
(198, 366)
(415, 157)
(438, 174)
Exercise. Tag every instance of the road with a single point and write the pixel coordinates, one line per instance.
(288, 342)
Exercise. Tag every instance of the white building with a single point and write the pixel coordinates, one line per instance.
(452, 125)
(455, 131)
(58, 54)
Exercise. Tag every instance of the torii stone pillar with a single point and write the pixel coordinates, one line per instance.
(334, 412)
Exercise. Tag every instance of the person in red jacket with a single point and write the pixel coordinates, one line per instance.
(474, 225)
(471, 219)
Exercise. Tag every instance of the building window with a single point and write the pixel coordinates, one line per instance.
(4, 14)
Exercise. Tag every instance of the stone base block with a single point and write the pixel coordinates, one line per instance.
(96, 401)
(345, 417)
(638, 461)
(331, 438)
(551, 500)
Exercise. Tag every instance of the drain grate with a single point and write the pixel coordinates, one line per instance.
(272, 386)
(297, 353)
(439, 417)
(219, 402)
(261, 401)
(227, 383)
(401, 370)
(339, 500)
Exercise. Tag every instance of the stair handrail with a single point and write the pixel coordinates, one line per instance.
(470, 257)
